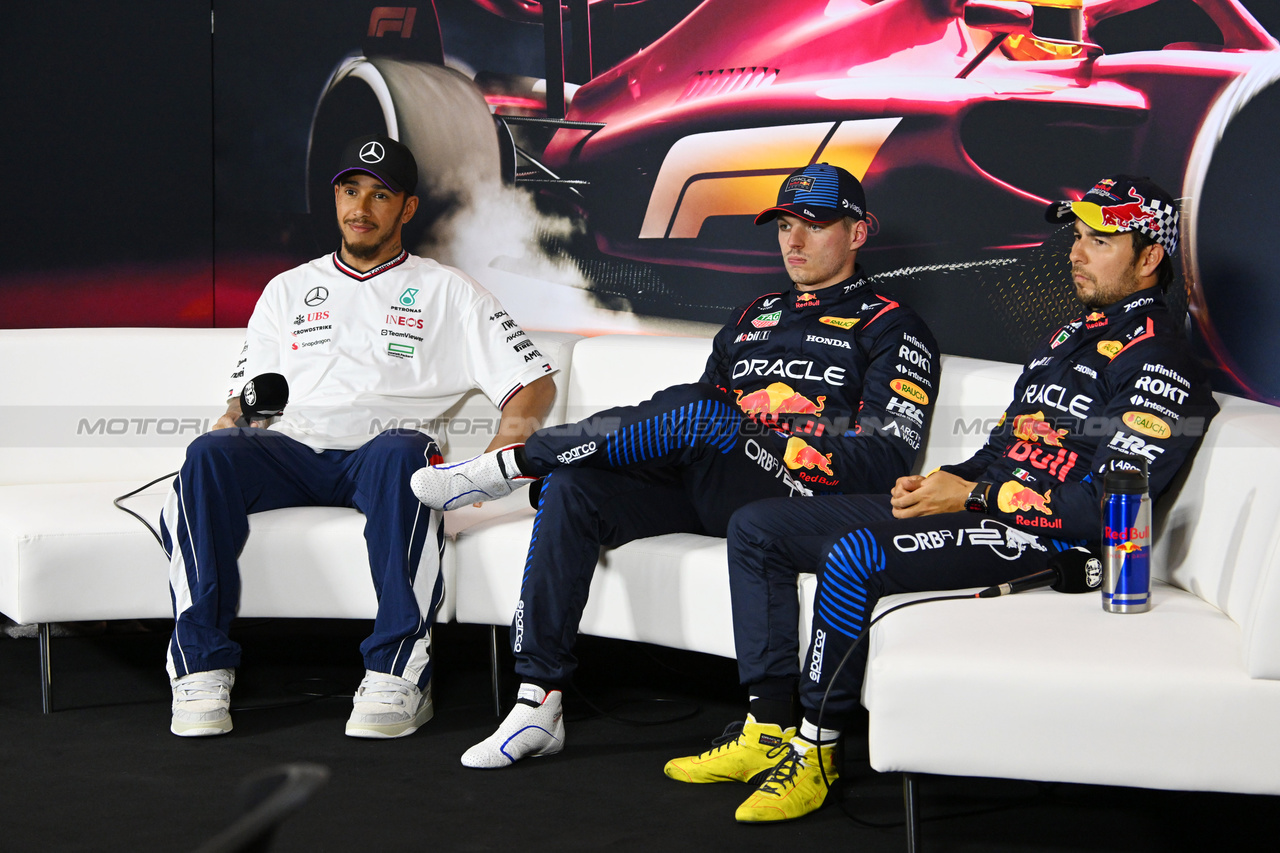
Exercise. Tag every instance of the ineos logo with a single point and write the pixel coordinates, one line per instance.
(316, 295)
(372, 152)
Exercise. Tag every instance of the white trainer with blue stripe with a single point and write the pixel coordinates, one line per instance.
(534, 727)
(456, 484)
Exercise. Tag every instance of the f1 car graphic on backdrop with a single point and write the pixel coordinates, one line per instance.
(962, 118)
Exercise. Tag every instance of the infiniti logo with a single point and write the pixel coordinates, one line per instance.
(372, 152)
(316, 295)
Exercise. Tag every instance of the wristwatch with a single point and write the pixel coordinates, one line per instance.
(977, 500)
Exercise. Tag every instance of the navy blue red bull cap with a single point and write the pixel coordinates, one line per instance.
(819, 193)
(383, 157)
(1123, 203)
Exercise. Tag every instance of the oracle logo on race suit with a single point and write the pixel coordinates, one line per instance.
(797, 368)
(1054, 396)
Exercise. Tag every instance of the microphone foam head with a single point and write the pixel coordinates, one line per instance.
(1078, 571)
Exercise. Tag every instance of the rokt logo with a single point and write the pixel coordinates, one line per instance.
(316, 295)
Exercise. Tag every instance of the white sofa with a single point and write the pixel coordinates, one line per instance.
(1037, 686)
(96, 413)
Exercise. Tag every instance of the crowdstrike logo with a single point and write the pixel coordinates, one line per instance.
(372, 152)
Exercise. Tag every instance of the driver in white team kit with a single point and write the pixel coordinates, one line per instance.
(367, 337)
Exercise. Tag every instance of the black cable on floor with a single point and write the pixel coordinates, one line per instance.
(303, 697)
(694, 710)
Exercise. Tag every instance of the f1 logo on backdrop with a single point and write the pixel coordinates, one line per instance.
(392, 19)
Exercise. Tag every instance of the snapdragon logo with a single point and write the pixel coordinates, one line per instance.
(815, 662)
(519, 643)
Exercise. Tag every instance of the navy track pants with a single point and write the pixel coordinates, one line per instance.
(861, 553)
(682, 461)
(231, 473)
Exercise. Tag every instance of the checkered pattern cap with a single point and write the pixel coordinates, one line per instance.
(1123, 203)
(819, 193)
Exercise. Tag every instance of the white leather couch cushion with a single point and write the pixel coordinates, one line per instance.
(67, 554)
(1050, 687)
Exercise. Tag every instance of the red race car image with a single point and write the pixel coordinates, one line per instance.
(963, 118)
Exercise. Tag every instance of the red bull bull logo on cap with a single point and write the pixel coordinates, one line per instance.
(1127, 216)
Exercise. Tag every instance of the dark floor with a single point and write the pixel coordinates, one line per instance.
(103, 772)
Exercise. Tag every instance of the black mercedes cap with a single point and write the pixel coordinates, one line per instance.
(383, 157)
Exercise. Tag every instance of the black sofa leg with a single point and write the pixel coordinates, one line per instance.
(493, 671)
(46, 671)
(910, 792)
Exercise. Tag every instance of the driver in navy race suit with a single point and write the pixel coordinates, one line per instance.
(825, 388)
(1118, 381)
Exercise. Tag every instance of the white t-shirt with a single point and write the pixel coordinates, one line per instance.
(364, 352)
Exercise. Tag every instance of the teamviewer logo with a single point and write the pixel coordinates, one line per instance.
(392, 19)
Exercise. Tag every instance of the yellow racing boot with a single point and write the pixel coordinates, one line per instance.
(794, 787)
(744, 753)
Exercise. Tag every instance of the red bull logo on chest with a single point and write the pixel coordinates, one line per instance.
(800, 455)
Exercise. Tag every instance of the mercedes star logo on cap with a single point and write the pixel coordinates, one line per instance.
(372, 152)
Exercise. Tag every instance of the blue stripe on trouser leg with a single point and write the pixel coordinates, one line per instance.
(771, 542)
(842, 604)
(672, 426)
(935, 552)
(405, 569)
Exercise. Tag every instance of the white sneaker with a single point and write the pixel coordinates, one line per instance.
(534, 727)
(202, 703)
(456, 484)
(388, 706)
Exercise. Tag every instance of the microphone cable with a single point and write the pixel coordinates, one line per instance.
(1040, 580)
(822, 707)
(145, 523)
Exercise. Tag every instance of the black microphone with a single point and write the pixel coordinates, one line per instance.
(264, 396)
(1073, 571)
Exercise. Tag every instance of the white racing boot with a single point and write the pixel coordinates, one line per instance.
(483, 478)
(534, 727)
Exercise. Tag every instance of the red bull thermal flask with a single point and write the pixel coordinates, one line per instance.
(1126, 539)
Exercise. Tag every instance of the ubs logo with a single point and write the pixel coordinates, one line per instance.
(316, 295)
